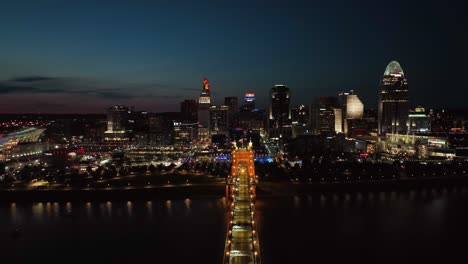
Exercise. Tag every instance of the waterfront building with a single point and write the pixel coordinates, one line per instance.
(393, 104)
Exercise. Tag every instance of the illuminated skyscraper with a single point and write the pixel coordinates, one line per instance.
(419, 121)
(219, 118)
(249, 102)
(352, 109)
(393, 105)
(204, 103)
(117, 122)
(279, 114)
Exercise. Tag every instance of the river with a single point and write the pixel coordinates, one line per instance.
(421, 225)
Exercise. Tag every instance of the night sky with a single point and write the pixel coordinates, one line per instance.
(81, 56)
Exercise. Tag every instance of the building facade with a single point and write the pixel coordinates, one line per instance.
(393, 105)
(352, 109)
(117, 123)
(326, 116)
(279, 114)
(419, 121)
(189, 111)
(204, 104)
(219, 119)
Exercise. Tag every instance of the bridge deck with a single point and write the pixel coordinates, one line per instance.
(242, 241)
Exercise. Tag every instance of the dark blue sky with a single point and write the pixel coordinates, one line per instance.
(82, 56)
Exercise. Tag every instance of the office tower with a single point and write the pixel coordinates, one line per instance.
(279, 114)
(233, 103)
(185, 133)
(419, 121)
(300, 120)
(249, 102)
(219, 119)
(326, 116)
(117, 123)
(352, 109)
(204, 104)
(189, 111)
(393, 104)
(252, 121)
(299, 115)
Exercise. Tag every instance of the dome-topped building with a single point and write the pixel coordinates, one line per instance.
(394, 68)
(393, 100)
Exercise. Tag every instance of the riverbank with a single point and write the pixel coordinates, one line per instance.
(154, 193)
(264, 190)
(283, 189)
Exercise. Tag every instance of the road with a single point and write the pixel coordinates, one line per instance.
(242, 241)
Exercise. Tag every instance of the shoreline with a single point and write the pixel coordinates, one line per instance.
(154, 193)
(210, 191)
(270, 190)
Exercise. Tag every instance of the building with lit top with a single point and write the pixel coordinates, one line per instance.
(204, 104)
(249, 102)
(393, 105)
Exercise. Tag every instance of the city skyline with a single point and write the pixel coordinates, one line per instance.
(86, 57)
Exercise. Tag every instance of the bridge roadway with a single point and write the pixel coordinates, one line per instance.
(242, 245)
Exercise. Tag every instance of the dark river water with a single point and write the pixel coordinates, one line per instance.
(390, 227)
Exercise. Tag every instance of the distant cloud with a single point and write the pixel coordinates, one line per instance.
(50, 85)
(32, 79)
(37, 84)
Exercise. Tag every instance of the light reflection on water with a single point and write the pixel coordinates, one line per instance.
(129, 208)
(38, 211)
(169, 207)
(149, 208)
(122, 229)
(343, 215)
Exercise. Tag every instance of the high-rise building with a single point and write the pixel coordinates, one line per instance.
(393, 105)
(419, 121)
(279, 114)
(300, 120)
(185, 134)
(299, 115)
(252, 121)
(249, 102)
(189, 111)
(233, 103)
(352, 109)
(161, 128)
(204, 104)
(219, 119)
(326, 116)
(117, 123)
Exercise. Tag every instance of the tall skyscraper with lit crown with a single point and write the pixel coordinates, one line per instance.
(204, 103)
(393, 105)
